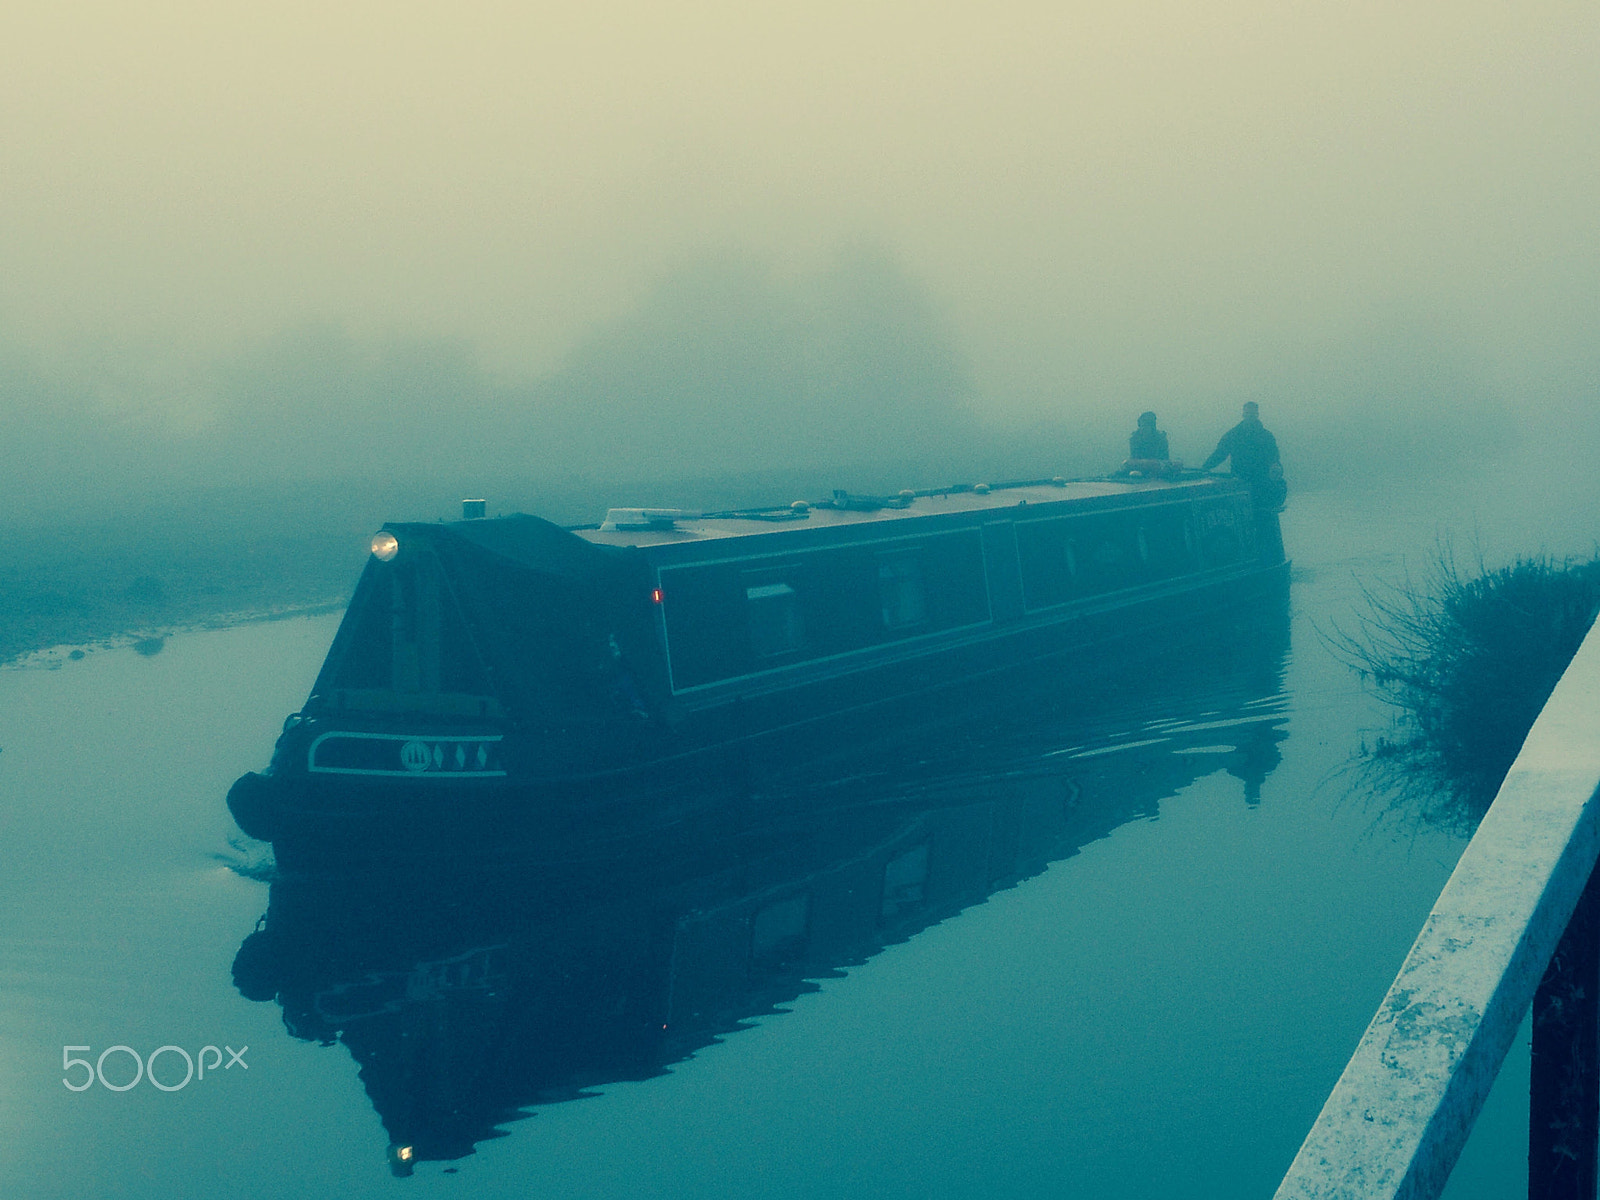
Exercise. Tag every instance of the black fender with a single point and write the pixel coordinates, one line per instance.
(253, 802)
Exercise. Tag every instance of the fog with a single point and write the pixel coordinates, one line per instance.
(889, 245)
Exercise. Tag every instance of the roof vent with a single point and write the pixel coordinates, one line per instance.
(646, 518)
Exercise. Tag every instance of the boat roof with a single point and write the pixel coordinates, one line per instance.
(665, 527)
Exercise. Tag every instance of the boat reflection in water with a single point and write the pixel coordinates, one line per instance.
(472, 993)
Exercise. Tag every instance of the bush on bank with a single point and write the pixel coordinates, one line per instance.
(1467, 661)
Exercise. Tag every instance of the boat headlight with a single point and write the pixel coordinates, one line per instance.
(385, 546)
(402, 1160)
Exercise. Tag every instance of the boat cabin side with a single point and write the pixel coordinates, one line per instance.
(597, 641)
(752, 610)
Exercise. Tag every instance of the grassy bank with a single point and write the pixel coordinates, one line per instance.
(146, 572)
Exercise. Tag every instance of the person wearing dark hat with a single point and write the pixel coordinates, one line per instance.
(1148, 442)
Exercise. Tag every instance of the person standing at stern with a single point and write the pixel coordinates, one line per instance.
(1253, 452)
(1253, 455)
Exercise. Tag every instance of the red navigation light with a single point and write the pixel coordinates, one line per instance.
(655, 595)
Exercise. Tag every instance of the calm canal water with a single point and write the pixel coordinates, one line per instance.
(1111, 941)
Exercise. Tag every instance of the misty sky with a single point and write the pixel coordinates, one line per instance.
(1087, 208)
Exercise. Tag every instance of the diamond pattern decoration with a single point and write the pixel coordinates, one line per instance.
(463, 755)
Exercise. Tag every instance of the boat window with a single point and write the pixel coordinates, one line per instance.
(1069, 558)
(704, 611)
(905, 880)
(902, 601)
(1101, 554)
(1109, 554)
(776, 626)
(1166, 542)
(828, 601)
(1052, 555)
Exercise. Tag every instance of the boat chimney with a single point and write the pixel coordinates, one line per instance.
(474, 510)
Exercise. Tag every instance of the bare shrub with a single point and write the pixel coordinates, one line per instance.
(1467, 662)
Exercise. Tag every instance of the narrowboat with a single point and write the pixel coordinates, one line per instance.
(491, 670)
(469, 997)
